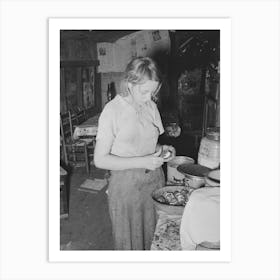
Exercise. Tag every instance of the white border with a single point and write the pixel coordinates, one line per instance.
(255, 139)
(55, 25)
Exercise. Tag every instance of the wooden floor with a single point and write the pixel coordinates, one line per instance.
(88, 226)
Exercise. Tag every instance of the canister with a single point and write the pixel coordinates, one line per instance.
(209, 150)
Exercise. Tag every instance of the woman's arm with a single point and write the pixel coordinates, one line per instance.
(105, 160)
(158, 147)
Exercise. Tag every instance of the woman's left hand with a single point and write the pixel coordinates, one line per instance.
(166, 148)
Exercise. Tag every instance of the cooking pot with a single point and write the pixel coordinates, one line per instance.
(194, 174)
(172, 174)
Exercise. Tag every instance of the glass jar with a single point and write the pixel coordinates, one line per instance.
(209, 150)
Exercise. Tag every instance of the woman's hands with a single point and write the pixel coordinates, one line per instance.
(167, 148)
(153, 161)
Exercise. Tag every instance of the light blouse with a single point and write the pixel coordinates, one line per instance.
(134, 132)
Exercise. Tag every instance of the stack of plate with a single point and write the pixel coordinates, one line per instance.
(213, 178)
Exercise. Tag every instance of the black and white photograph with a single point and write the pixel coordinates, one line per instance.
(140, 140)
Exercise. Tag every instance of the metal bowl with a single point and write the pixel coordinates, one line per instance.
(167, 208)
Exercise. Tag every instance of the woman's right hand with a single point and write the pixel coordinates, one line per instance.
(153, 161)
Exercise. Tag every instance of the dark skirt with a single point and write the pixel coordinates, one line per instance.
(131, 207)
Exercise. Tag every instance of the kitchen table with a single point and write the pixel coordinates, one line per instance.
(87, 128)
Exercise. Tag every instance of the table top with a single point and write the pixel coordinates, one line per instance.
(87, 128)
(93, 121)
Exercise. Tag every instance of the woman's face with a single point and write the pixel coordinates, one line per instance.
(143, 92)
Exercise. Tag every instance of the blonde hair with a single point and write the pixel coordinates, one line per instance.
(138, 71)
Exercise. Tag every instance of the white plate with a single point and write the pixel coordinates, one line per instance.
(214, 175)
(211, 183)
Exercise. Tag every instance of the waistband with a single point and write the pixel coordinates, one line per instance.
(135, 171)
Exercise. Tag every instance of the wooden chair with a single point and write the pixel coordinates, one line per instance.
(76, 119)
(64, 194)
(65, 127)
(81, 116)
(91, 147)
(74, 150)
(78, 116)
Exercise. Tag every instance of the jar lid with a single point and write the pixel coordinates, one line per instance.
(213, 133)
(196, 170)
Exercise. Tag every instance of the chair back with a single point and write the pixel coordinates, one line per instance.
(81, 116)
(76, 118)
(66, 129)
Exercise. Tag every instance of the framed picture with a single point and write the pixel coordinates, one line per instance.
(32, 244)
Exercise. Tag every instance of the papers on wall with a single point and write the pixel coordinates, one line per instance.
(105, 53)
(113, 57)
(159, 40)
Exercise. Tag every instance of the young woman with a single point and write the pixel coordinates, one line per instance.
(126, 144)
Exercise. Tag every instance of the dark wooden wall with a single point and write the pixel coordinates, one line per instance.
(190, 55)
